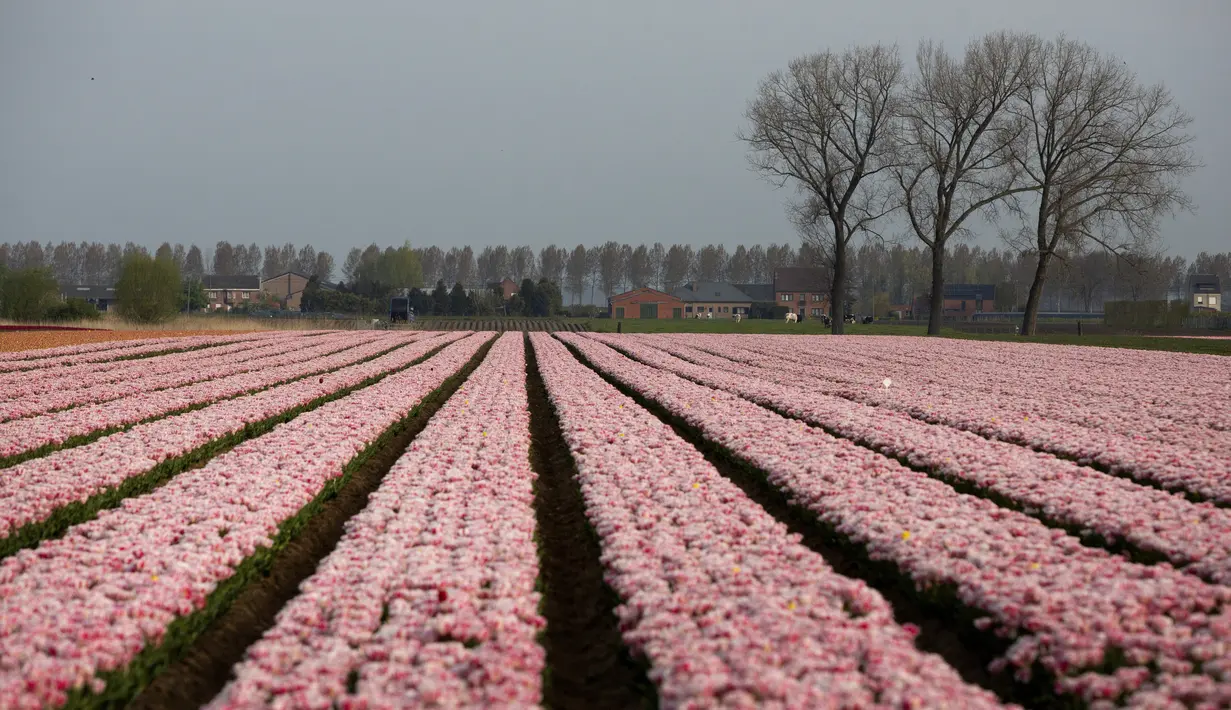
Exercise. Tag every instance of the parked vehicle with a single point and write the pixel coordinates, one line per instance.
(399, 309)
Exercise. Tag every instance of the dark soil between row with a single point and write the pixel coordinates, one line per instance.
(200, 674)
(588, 665)
(939, 632)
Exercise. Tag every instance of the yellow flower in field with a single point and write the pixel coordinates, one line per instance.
(905, 534)
(1034, 565)
(696, 485)
(791, 606)
(154, 577)
(735, 570)
(484, 433)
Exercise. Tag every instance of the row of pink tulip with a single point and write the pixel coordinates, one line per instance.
(92, 600)
(165, 372)
(430, 596)
(1196, 536)
(32, 490)
(85, 348)
(1121, 451)
(127, 348)
(728, 607)
(33, 382)
(1179, 416)
(1067, 606)
(21, 435)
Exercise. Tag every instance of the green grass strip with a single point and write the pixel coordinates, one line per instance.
(124, 684)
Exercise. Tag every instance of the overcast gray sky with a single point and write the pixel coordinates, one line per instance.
(479, 121)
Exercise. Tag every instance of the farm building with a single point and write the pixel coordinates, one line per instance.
(802, 289)
(962, 301)
(719, 299)
(645, 303)
(101, 296)
(287, 288)
(226, 291)
(1204, 291)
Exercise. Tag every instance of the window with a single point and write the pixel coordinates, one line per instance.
(816, 312)
(726, 309)
(619, 311)
(1200, 299)
(1213, 301)
(788, 297)
(711, 309)
(688, 309)
(816, 297)
(245, 295)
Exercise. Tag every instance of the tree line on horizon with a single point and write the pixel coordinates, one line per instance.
(879, 275)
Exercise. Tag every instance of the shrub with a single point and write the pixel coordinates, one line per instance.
(71, 310)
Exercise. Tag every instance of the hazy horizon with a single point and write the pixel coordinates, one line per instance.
(535, 123)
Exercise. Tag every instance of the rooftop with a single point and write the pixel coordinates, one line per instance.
(807, 279)
(706, 292)
(238, 282)
(89, 292)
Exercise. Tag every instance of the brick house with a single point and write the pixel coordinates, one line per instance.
(226, 291)
(961, 301)
(645, 303)
(508, 287)
(287, 288)
(802, 289)
(722, 300)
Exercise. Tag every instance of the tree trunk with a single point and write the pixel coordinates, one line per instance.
(837, 307)
(1035, 299)
(936, 309)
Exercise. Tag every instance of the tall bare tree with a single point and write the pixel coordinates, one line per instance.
(552, 260)
(826, 126)
(957, 138)
(1105, 154)
(578, 270)
(521, 263)
(640, 272)
(610, 267)
(658, 264)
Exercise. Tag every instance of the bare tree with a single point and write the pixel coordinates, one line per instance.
(578, 269)
(1105, 154)
(678, 265)
(658, 264)
(552, 260)
(826, 125)
(957, 136)
(521, 263)
(640, 272)
(610, 267)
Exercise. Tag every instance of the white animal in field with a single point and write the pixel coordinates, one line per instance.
(709, 316)
(737, 317)
(792, 318)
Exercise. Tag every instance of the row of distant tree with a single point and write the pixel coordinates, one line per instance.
(878, 274)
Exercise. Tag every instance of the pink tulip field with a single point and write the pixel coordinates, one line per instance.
(389, 519)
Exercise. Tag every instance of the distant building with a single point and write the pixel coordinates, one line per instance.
(645, 303)
(1204, 292)
(719, 299)
(226, 291)
(508, 287)
(287, 288)
(101, 296)
(802, 289)
(962, 301)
